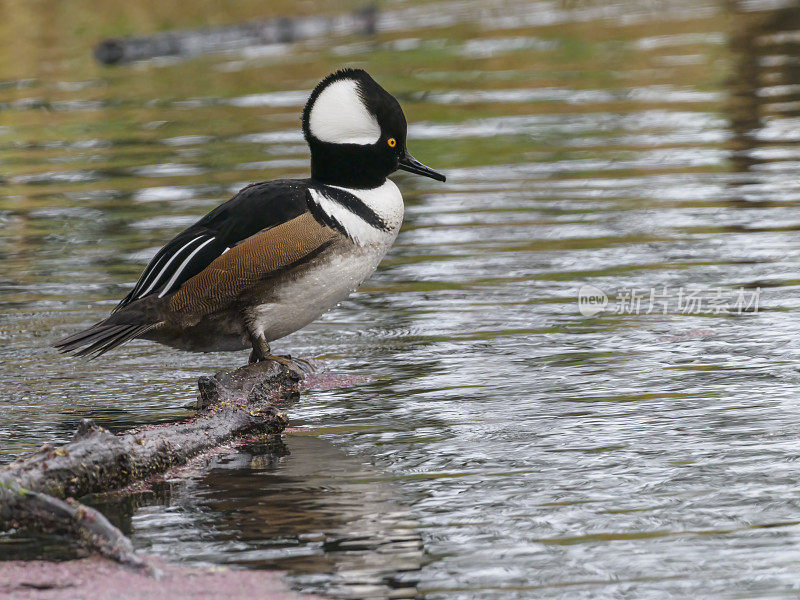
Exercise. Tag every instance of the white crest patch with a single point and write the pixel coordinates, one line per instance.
(340, 117)
(384, 200)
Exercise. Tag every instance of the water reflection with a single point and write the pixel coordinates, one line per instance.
(764, 85)
(306, 507)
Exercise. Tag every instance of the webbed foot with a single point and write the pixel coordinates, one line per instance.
(261, 351)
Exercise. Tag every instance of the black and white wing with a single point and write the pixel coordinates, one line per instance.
(255, 208)
(184, 256)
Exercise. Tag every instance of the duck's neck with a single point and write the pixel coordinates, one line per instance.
(347, 166)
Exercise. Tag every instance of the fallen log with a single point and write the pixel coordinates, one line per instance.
(38, 491)
(190, 43)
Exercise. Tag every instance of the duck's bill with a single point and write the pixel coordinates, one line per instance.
(412, 165)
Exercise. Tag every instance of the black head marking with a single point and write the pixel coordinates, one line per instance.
(358, 165)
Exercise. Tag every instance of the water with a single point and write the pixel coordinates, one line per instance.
(508, 446)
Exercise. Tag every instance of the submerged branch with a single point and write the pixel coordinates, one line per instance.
(37, 491)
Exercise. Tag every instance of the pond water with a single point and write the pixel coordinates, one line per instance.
(512, 442)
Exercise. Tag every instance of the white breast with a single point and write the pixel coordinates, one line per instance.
(319, 289)
(385, 200)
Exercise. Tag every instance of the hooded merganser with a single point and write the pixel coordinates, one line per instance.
(279, 253)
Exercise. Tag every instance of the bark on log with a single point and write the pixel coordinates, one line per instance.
(37, 491)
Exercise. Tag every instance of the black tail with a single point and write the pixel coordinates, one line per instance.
(101, 338)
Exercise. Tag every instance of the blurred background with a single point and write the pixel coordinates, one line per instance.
(507, 446)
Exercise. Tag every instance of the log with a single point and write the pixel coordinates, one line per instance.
(190, 43)
(38, 491)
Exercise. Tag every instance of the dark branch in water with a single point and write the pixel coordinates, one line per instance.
(37, 491)
(89, 526)
(188, 43)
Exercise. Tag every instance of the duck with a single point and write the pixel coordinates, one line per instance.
(280, 253)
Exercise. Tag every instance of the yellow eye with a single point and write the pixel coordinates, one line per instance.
(392, 142)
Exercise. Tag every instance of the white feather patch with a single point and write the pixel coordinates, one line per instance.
(339, 116)
(385, 200)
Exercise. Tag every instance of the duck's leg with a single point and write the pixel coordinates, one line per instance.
(261, 351)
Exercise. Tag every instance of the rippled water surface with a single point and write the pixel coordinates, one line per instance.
(508, 445)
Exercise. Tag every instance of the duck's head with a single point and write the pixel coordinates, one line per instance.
(357, 132)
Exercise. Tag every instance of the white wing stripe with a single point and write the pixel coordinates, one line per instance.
(161, 273)
(147, 275)
(183, 266)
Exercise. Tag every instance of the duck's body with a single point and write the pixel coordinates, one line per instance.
(319, 267)
(280, 253)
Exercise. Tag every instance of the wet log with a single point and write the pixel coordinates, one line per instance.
(189, 43)
(38, 491)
